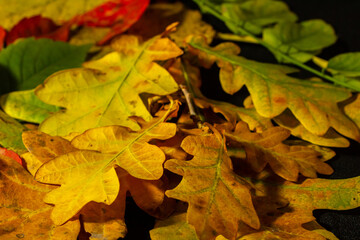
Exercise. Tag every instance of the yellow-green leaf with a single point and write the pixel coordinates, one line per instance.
(10, 133)
(313, 103)
(24, 105)
(106, 91)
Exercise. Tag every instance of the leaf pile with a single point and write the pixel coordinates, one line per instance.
(95, 116)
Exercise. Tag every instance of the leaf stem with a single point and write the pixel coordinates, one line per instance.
(189, 94)
(206, 6)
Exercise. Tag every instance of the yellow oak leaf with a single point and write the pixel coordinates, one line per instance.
(330, 139)
(295, 221)
(88, 174)
(106, 91)
(313, 103)
(352, 110)
(267, 148)
(107, 221)
(43, 148)
(173, 228)
(23, 214)
(218, 198)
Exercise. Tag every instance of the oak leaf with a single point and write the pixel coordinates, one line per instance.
(22, 209)
(219, 199)
(88, 173)
(267, 148)
(173, 228)
(106, 91)
(272, 90)
(352, 110)
(293, 221)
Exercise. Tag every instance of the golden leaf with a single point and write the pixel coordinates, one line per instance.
(88, 173)
(218, 199)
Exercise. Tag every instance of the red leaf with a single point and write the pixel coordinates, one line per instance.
(11, 154)
(118, 14)
(38, 27)
(2, 37)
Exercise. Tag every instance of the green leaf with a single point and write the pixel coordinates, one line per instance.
(256, 14)
(10, 133)
(29, 62)
(300, 41)
(24, 105)
(347, 64)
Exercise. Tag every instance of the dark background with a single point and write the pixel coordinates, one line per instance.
(344, 16)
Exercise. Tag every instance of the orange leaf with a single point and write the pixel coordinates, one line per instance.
(218, 198)
(23, 214)
(267, 147)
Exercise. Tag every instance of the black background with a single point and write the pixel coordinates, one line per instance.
(344, 16)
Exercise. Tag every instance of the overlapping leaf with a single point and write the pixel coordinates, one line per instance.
(106, 91)
(294, 221)
(88, 174)
(313, 103)
(220, 199)
(267, 147)
(23, 214)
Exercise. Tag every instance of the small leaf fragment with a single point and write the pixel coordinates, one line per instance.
(10, 133)
(347, 64)
(24, 105)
